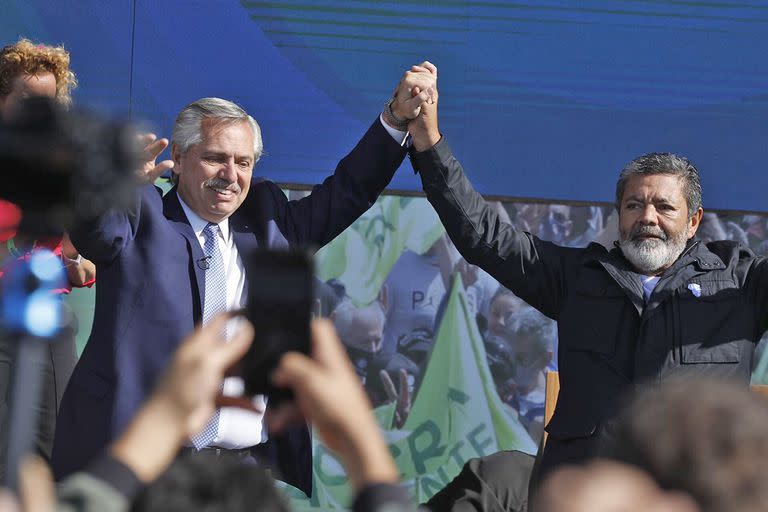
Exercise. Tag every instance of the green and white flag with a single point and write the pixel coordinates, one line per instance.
(456, 415)
(362, 256)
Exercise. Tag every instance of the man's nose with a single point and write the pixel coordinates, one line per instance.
(649, 216)
(228, 171)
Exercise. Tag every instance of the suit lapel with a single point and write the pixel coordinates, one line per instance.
(243, 233)
(175, 215)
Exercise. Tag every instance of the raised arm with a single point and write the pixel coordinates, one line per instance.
(531, 268)
(361, 176)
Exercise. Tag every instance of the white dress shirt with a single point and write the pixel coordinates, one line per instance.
(238, 428)
(400, 137)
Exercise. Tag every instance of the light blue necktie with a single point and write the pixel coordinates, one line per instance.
(215, 302)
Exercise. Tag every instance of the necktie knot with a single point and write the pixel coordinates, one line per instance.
(210, 231)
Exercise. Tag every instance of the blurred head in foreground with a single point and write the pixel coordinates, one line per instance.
(706, 437)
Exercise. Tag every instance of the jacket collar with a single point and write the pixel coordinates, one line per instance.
(241, 229)
(696, 259)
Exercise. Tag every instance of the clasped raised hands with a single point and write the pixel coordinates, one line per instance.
(418, 86)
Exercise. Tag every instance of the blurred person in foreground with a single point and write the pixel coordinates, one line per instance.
(658, 304)
(174, 260)
(605, 486)
(713, 447)
(28, 70)
(184, 399)
(347, 427)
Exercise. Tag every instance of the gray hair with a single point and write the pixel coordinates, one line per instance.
(663, 163)
(188, 130)
(344, 317)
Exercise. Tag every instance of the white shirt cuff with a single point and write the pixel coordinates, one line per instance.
(400, 137)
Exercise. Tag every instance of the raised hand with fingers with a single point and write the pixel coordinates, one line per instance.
(401, 396)
(424, 128)
(151, 146)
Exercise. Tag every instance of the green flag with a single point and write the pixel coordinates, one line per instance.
(362, 256)
(456, 415)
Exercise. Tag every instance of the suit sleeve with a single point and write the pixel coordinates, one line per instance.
(102, 238)
(533, 269)
(345, 195)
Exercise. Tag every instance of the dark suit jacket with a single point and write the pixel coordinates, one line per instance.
(150, 291)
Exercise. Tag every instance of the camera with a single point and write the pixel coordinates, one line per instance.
(61, 167)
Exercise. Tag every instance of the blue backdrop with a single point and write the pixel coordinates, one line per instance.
(539, 99)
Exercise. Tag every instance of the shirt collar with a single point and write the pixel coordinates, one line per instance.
(198, 223)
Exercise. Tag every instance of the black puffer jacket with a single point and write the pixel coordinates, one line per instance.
(705, 316)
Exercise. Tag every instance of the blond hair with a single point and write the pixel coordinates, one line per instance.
(28, 58)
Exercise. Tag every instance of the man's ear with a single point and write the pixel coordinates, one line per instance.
(176, 157)
(695, 222)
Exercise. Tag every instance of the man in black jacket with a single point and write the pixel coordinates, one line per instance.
(657, 304)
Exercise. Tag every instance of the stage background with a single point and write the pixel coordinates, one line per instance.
(539, 99)
(543, 102)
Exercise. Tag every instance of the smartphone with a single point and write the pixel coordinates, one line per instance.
(280, 298)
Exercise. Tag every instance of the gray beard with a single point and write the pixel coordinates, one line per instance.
(650, 255)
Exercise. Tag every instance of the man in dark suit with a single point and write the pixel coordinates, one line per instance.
(170, 262)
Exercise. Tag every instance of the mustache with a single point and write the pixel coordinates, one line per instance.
(639, 231)
(220, 183)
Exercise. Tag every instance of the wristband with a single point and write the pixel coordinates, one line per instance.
(72, 261)
(392, 119)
